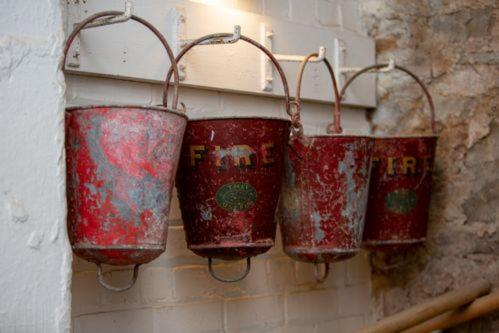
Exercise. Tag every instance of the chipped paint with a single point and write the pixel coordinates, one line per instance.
(228, 206)
(121, 163)
(399, 195)
(324, 196)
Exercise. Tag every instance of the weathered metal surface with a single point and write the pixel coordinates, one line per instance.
(228, 184)
(399, 195)
(121, 163)
(324, 197)
(230, 176)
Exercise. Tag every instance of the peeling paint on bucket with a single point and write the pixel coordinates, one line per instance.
(324, 197)
(399, 196)
(228, 183)
(121, 163)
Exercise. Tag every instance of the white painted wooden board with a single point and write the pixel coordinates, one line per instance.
(127, 51)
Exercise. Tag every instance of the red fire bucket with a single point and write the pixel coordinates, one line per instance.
(229, 179)
(399, 194)
(121, 163)
(324, 196)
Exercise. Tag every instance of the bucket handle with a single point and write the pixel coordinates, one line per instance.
(335, 126)
(385, 68)
(317, 272)
(220, 36)
(212, 272)
(88, 20)
(117, 289)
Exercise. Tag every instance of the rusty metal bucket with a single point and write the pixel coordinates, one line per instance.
(399, 194)
(121, 164)
(324, 196)
(229, 179)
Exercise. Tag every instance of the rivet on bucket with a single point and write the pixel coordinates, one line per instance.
(324, 196)
(229, 178)
(121, 164)
(399, 194)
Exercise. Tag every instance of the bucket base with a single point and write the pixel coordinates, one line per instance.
(319, 255)
(232, 250)
(119, 255)
(393, 246)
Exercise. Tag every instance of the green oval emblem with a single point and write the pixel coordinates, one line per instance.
(236, 197)
(401, 201)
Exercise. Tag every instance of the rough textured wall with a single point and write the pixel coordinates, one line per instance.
(35, 255)
(454, 47)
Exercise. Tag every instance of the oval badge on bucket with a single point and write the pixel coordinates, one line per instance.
(401, 201)
(236, 197)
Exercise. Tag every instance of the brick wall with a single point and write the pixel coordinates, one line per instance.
(175, 292)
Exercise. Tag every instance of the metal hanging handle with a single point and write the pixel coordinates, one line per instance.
(220, 38)
(334, 127)
(387, 67)
(321, 277)
(173, 67)
(113, 288)
(212, 272)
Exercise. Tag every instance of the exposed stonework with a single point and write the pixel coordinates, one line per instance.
(454, 46)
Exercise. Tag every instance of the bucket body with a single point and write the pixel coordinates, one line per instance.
(228, 184)
(121, 164)
(399, 195)
(324, 197)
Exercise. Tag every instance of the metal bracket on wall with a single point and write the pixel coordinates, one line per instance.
(266, 68)
(234, 38)
(74, 61)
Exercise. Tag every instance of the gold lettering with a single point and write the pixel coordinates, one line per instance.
(195, 156)
(267, 153)
(242, 153)
(389, 167)
(218, 157)
(408, 165)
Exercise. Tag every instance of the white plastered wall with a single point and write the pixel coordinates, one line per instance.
(35, 254)
(175, 293)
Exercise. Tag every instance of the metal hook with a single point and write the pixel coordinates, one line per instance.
(234, 38)
(212, 273)
(298, 58)
(183, 107)
(389, 67)
(117, 289)
(317, 272)
(127, 14)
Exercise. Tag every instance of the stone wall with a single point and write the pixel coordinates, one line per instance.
(454, 46)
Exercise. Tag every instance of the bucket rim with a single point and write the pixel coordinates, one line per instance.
(409, 136)
(320, 250)
(211, 118)
(340, 135)
(394, 241)
(143, 107)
